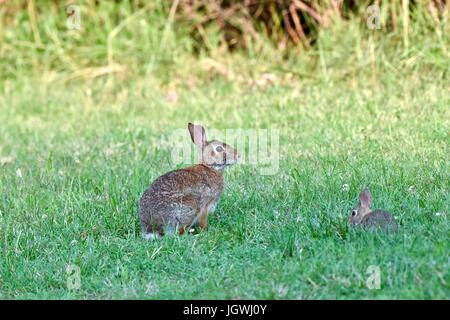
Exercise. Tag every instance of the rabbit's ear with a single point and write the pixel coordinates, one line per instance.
(198, 135)
(365, 198)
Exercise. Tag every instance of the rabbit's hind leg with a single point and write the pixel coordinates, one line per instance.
(203, 214)
(203, 218)
(182, 219)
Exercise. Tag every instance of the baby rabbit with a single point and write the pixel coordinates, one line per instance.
(179, 198)
(362, 215)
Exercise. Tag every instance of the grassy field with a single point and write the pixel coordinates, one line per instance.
(78, 150)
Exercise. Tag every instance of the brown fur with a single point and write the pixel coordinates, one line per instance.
(176, 199)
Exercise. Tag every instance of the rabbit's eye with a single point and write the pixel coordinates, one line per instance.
(219, 148)
(354, 213)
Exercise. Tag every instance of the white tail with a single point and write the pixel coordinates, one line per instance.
(151, 236)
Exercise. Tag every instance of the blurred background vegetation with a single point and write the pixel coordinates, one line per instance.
(187, 41)
(85, 116)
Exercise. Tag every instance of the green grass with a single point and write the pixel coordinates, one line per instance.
(85, 149)
(84, 166)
